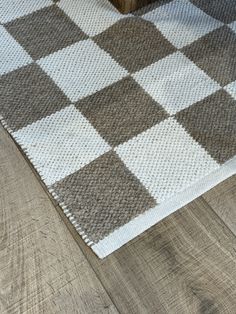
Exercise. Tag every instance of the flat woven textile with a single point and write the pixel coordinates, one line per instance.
(126, 118)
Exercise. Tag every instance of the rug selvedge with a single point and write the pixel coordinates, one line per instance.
(121, 115)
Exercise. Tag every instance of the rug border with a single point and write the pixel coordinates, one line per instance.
(143, 222)
(65, 209)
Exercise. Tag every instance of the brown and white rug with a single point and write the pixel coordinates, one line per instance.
(125, 117)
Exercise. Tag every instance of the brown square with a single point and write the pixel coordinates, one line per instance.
(121, 111)
(215, 54)
(27, 95)
(223, 10)
(104, 195)
(134, 43)
(45, 31)
(212, 123)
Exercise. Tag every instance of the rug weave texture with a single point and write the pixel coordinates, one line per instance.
(126, 118)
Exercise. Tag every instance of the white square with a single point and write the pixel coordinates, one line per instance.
(176, 82)
(92, 16)
(182, 22)
(61, 144)
(233, 26)
(231, 89)
(12, 9)
(82, 69)
(166, 159)
(12, 55)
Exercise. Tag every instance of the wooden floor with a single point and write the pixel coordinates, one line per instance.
(185, 264)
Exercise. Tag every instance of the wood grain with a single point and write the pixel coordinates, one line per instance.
(126, 6)
(42, 269)
(223, 200)
(184, 264)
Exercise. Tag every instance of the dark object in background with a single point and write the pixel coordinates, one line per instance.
(126, 6)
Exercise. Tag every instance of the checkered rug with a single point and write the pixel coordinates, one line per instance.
(126, 118)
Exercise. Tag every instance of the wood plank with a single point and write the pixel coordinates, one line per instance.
(126, 6)
(42, 269)
(184, 264)
(223, 200)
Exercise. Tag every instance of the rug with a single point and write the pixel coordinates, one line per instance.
(126, 118)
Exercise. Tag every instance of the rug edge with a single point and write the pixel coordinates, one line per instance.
(66, 211)
(143, 222)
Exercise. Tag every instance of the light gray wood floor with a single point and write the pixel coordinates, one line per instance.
(185, 264)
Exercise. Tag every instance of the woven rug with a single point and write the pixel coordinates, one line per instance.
(126, 118)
